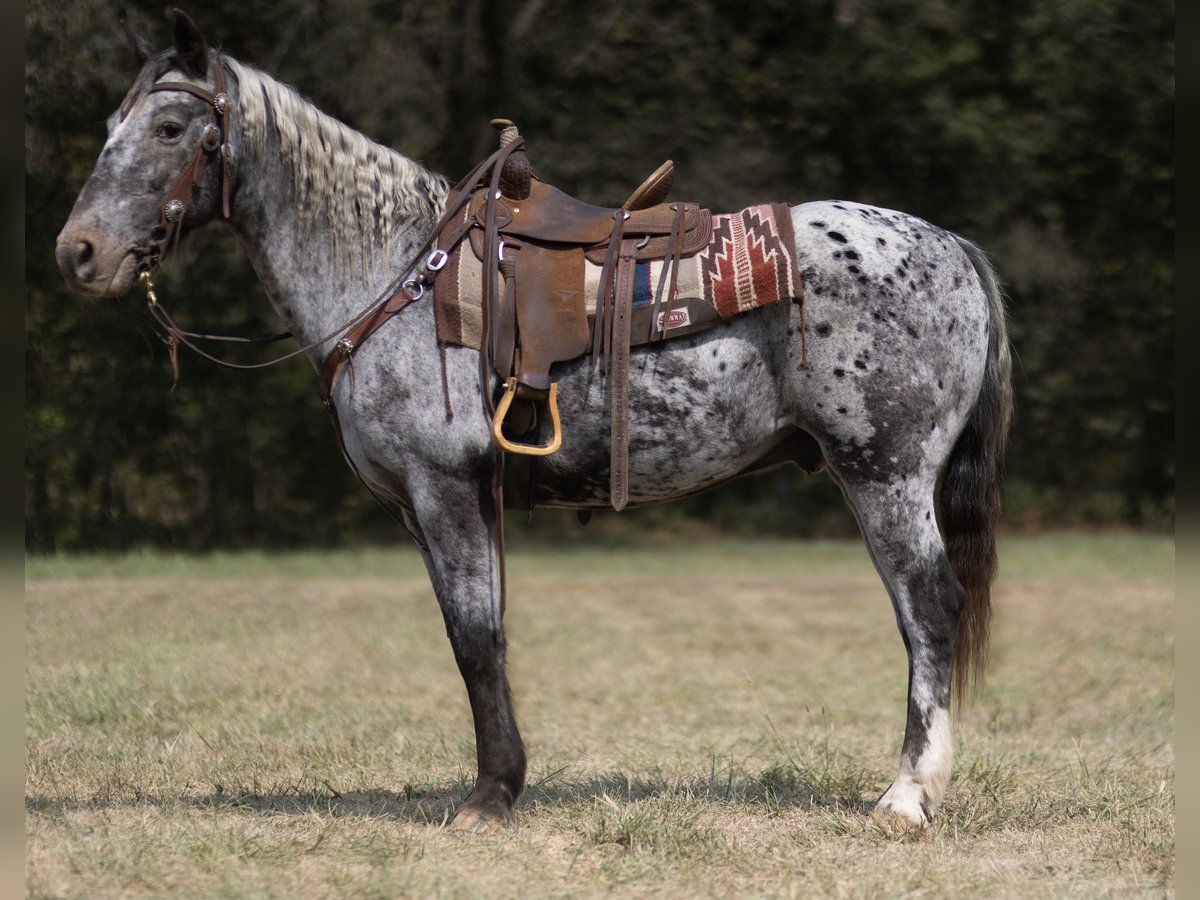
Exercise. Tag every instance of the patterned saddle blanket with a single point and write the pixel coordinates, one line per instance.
(750, 261)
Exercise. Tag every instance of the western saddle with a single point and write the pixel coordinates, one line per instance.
(536, 241)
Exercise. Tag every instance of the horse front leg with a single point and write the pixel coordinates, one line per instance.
(458, 519)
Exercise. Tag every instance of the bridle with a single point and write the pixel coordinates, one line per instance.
(213, 139)
(395, 297)
(425, 263)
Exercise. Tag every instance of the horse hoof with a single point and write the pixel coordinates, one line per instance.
(474, 821)
(894, 820)
(902, 806)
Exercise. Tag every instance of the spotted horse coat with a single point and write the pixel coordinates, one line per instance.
(903, 394)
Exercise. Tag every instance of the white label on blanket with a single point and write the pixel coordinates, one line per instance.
(677, 319)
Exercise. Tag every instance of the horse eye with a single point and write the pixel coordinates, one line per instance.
(169, 131)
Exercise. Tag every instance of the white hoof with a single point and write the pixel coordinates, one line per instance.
(904, 803)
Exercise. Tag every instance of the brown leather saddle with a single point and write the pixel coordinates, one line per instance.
(535, 241)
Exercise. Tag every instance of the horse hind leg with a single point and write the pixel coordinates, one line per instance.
(899, 524)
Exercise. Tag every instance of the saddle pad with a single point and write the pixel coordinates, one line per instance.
(750, 262)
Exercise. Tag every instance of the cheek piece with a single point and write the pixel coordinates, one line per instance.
(213, 140)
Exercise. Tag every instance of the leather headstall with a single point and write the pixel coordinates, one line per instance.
(213, 139)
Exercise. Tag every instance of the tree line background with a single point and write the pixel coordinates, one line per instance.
(1041, 129)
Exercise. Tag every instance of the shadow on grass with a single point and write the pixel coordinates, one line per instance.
(434, 805)
(778, 788)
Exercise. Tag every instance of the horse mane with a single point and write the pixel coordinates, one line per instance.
(359, 189)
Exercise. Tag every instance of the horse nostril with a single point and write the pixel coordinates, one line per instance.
(83, 252)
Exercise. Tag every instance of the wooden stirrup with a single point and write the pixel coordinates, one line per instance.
(510, 391)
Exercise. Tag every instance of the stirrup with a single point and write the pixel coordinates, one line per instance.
(510, 391)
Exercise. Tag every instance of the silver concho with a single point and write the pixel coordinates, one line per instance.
(220, 103)
(173, 210)
(210, 138)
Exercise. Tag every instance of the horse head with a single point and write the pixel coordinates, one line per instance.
(164, 167)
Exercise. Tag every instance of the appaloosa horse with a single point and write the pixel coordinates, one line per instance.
(905, 396)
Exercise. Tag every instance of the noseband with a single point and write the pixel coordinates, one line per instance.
(214, 139)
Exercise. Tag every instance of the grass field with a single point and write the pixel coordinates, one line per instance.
(709, 720)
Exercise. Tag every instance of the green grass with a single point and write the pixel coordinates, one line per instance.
(711, 719)
(1060, 555)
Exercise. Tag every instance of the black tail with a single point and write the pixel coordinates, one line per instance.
(969, 502)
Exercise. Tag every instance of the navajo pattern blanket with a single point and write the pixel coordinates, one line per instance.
(750, 262)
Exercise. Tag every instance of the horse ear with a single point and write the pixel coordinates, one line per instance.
(190, 45)
(141, 48)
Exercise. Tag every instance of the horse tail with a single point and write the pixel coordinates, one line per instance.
(969, 500)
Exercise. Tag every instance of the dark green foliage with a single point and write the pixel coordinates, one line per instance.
(1043, 131)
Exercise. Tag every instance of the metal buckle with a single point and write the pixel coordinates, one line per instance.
(437, 260)
(144, 278)
(412, 285)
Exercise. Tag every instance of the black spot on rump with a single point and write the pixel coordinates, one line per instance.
(817, 224)
(842, 410)
(881, 242)
(836, 236)
(912, 332)
(850, 254)
(840, 373)
(859, 364)
(824, 329)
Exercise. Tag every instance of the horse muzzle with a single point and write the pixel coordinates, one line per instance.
(94, 262)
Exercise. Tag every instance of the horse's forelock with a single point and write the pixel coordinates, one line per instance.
(155, 68)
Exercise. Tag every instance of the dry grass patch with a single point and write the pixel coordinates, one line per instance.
(704, 721)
